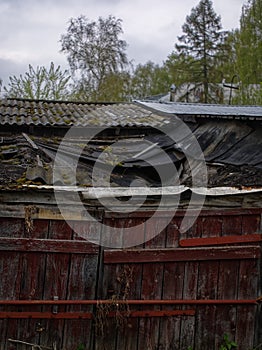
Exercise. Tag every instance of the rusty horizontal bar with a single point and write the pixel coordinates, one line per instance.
(130, 302)
(47, 245)
(210, 241)
(89, 315)
(181, 254)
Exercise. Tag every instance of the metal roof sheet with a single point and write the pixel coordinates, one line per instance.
(61, 113)
(198, 109)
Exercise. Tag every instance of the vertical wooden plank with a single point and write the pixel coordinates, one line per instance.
(57, 270)
(189, 292)
(10, 279)
(249, 280)
(211, 226)
(11, 273)
(152, 285)
(105, 327)
(206, 315)
(81, 285)
(173, 233)
(170, 327)
(207, 288)
(128, 336)
(227, 289)
(32, 281)
(173, 280)
(10, 227)
(250, 224)
(232, 225)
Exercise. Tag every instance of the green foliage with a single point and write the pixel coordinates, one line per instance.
(227, 343)
(81, 347)
(249, 47)
(150, 79)
(39, 83)
(95, 52)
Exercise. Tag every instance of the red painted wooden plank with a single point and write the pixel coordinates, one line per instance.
(57, 269)
(81, 285)
(181, 254)
(188, 324)
(127, 338)
(249, 284)
(206, 315)
(251, 224)
(170, 328)
(110, 288)
(232, 225)
(211, 226)
(47, 245)
(211, 241)
(173, 234)
(227, 289)
(152, 281)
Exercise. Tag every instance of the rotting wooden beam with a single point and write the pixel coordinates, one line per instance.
(47, 245)
(211, 241)
(46, 315)
(131, 302)
(89, 315)
(181, 254)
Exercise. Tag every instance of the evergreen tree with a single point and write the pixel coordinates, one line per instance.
(202, 46)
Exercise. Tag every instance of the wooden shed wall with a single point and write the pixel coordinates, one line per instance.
(179, 290)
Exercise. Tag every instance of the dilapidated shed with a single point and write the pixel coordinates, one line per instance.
(130, 225)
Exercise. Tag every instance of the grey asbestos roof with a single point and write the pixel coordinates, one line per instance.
(204, 110)
(60, 113)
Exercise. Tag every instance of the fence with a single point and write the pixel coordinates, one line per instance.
(174, 292)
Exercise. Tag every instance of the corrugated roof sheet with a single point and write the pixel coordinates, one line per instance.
(204, 110)
(59, 113)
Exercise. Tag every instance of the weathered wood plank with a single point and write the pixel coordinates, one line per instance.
(251, 224)
(106, 330)
(152, 280)
(82, 285)
(47, 245)
(45, 315)
(206, 315)
(181, 254)
(189, 292)
(170, 328)
(131, 281)
(227, 289)
(211, 241)
(32, 280)
(57, 270)
(232, 225)
(249, 284)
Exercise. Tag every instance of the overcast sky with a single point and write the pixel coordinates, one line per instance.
(30, 30)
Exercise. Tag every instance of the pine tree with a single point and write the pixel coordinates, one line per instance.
(203, 42)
